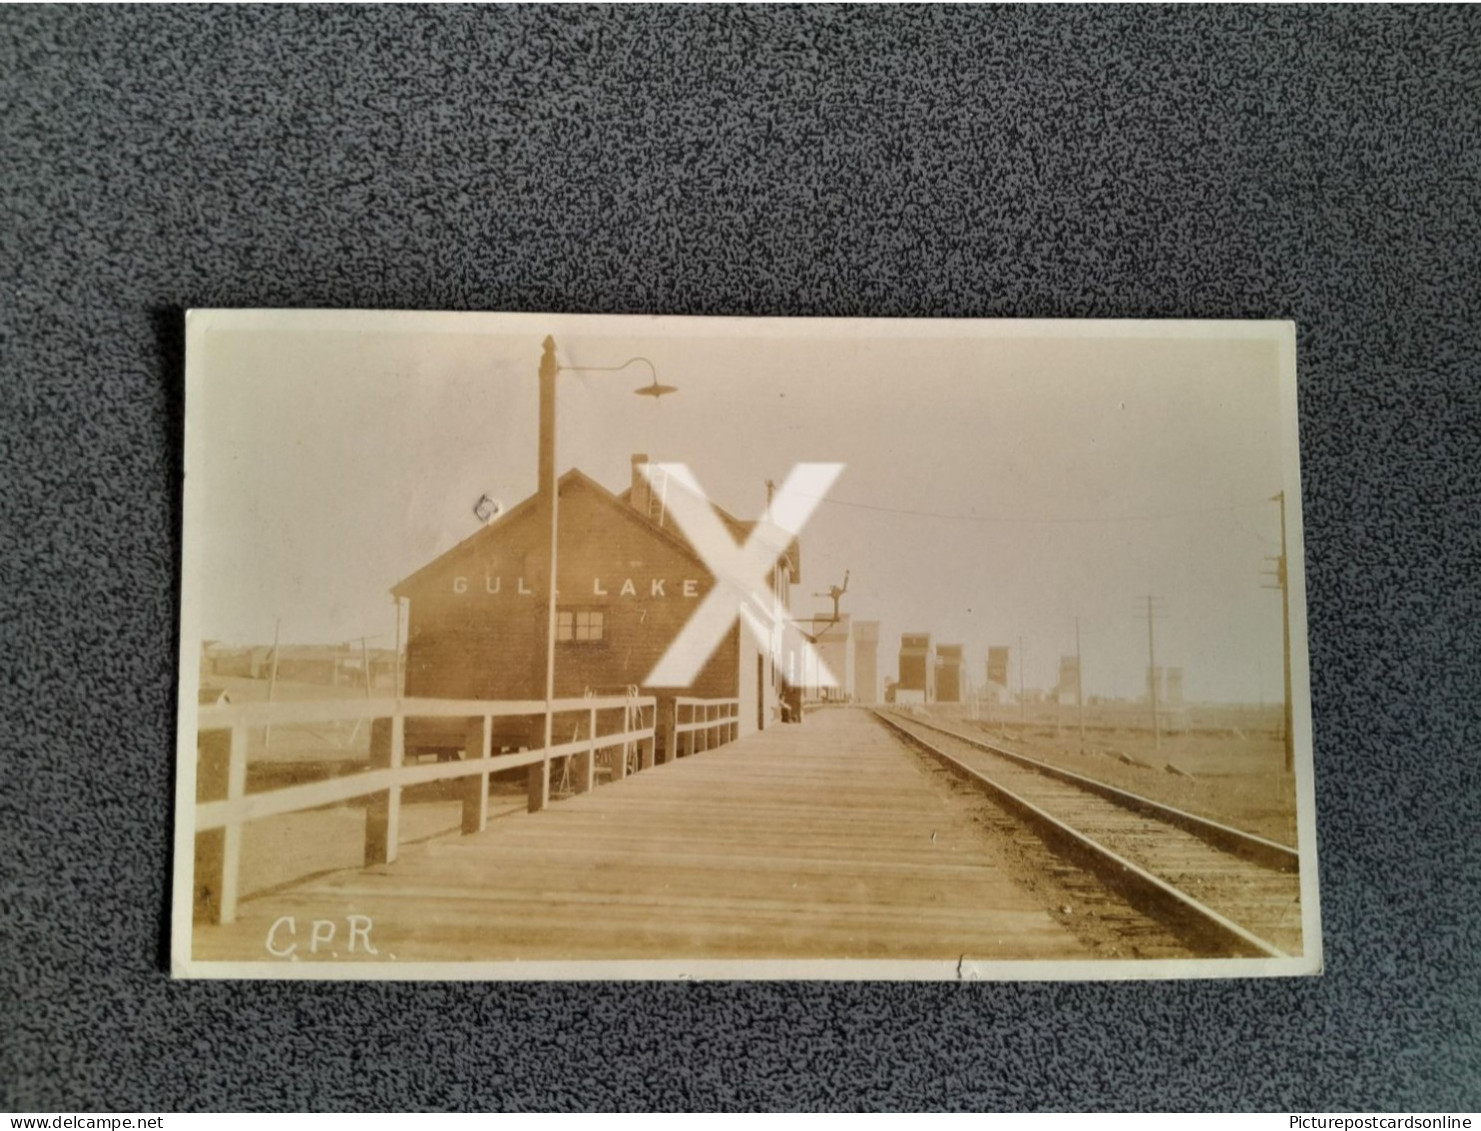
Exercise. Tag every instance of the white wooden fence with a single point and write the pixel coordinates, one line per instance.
(705, 723)
(699, 724)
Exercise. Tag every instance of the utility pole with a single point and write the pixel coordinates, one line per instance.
(272, 683)
(1022, 702)
(397, 682)
(1152, 676)
(365, 665)
(1079, 685)
(1282, 582)
(548, 494)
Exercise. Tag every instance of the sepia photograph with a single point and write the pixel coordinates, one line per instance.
(524, 646)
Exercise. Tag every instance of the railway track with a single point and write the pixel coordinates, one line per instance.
(1227, 892)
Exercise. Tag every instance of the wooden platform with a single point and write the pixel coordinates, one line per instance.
(824, 840)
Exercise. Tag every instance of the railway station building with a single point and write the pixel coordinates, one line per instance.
(627, 582)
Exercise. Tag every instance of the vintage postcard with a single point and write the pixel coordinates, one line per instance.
(553, 646)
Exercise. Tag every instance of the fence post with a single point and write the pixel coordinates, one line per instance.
(538, 782)
(231, 847)
(586, 764)
(221, 774)
(670, 726)
(479, 744)
(647, 746)
(619, 753)
(383, 812)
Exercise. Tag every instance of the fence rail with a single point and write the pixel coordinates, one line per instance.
(711, 723)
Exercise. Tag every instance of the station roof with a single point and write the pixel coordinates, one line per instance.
(621, 506)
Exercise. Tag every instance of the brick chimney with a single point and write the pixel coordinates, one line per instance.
(642, 494)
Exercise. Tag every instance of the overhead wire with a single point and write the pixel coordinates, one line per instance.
(1228, 508)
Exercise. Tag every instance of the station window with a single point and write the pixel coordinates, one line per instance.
(579, 625)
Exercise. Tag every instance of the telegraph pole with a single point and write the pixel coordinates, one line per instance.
(1079, 685)
(1282, 582)
(272, 683)
(397, 687)
(1152, 676)
(365, 664)
(1022, 702)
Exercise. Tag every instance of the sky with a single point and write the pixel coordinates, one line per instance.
(1001, 479)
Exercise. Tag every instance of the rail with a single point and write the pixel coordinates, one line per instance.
(1166, 901)
(1260, 850)
(219, 821)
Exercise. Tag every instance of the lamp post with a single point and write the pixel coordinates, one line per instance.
(548, 505)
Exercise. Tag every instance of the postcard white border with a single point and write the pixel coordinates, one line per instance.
(201, 322)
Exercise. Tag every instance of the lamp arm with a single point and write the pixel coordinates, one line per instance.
(652, 369)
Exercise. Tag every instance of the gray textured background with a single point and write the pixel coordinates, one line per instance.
(1319, 165)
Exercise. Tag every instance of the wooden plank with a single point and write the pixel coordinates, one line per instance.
(819, 840)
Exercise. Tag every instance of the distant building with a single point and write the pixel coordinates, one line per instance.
(917, 669)
(1155, 690)
(996, 690)
(246, 662)
(949, 674)
(1174, 687)
(324, 665)
(866, 661)
(321, 664)
(1067, 694)
(835, 646)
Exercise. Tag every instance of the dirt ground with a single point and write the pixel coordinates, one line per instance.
(287, 849)
(1236, 778)
(295, 846)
